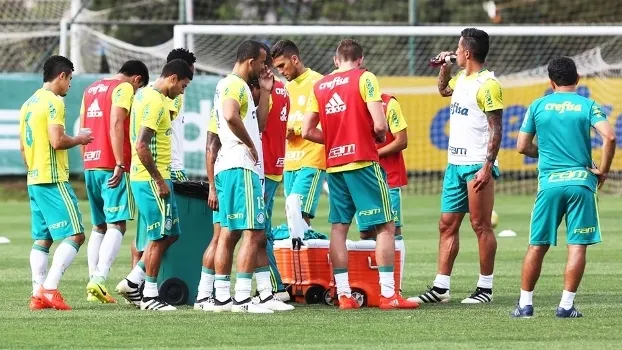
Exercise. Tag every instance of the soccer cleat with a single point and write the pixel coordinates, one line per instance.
(37, 304)
(272, 303)
(283, 296)
(223, 306)
(131, 293)
(396, 302)
(522, 312)
(570, 313)
(431, 296)
(205, 304)
(156, 304)
(347, 303)
(247, 306)
(100, 292)
(53, 299)
(481, 295)
(91, 298)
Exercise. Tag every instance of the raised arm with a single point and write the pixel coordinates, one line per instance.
(266, 83)
(444, 77)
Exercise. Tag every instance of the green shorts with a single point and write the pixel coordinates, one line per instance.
(240, 200)
(395, 194)
(215, 217)
(179, 176)
(270, 191)
(108, 205)
(578, 203)
(306, 183)
(158, 217)
(361, 192)
(54, 211)
(455, 194)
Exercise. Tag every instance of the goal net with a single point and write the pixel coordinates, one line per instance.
(399, 57)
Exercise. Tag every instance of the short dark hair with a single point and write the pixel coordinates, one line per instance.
(182, 53)
(477, 42)
(285, 48)
(135, 67)
(349, 50)
(563, 71)
(178, 67)
(55, 65)
(248, 49)
(268, 57)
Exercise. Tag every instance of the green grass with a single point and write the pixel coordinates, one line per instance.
(452, 326)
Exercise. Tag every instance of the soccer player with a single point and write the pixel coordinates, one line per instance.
(468, 186)
(150, 179)
(53, 204)
(305, 164)
(178, 172)
(238, 173)
(105, 110)
(392, 161)
(567, 180)
(348, 105)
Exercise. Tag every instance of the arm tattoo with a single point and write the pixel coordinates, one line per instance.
(213, 145)
(144, 153)
(444, 76)
(495, 128)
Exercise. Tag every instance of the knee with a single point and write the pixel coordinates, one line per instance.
(260, 240)
(481, 227)
(77, 239)
(447, 227)
(120, 225)
(100, 228)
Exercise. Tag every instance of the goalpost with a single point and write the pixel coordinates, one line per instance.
(399, 56)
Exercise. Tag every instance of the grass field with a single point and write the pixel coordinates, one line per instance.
(452, 326)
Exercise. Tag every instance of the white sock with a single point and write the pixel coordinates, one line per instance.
(243, 283)
(63, 257)
(151, 288)
(387, 281)
(293, 211)
(526, 298)
(306, 226)
(342, 282)
(38, 265)
(108, 252)
(567, 300)
(485, 281)
(206, 284)
(222, 286)
(137, 275)
(92, 251)
(442, 281)
(264, 284)
(401, 247)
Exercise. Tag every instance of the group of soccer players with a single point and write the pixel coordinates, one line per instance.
(339, 127)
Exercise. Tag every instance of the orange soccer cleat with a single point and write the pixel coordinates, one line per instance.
(37, 304)
(347, 303)
(53, 299)
(396, 302)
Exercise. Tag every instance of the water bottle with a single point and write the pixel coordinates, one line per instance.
(436, 61)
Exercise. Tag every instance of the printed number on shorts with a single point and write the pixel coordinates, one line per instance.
(168, 210)
(261, 204)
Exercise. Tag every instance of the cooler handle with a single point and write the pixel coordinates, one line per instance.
(369, 264)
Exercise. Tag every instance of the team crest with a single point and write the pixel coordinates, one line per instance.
(168, 224)
(261, 218)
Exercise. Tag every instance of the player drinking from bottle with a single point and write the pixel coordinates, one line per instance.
(304, 160)
(53, 204)
(567, 181)
(150, 178)
(348, 105)
(392, 162)
(474, 141)
(105, 110)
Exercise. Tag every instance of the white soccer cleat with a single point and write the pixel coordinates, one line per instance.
(480, 296)
(273, 303)
(223, 306)
(132, 295)
(205, 304)
(247, 306)
(156, 304)
(282, 296)
(431, 296)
